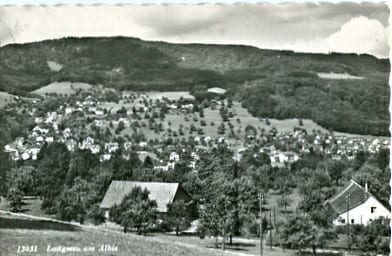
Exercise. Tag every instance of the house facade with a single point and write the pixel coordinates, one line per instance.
(356, 206)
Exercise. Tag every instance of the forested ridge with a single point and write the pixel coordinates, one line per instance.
(270, 83)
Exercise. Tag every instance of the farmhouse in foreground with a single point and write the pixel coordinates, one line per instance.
(162, 193)
(362, 207)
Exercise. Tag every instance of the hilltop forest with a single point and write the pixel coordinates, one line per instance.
(269, 83)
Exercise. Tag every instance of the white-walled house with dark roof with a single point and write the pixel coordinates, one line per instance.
(354, 204)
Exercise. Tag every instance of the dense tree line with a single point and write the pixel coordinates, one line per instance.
(337, 106)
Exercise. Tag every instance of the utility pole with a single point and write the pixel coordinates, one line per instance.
(270, 231)
(261, 199)
(274, 216)
(348, 222)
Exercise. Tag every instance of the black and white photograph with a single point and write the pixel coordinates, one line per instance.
(217, 129)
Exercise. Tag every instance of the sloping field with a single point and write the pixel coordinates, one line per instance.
(6, 98)
(57, 239)
(174, 95)
(212, 118)
(54, 66)
(337, 76)
(285, 125)
(62, 88)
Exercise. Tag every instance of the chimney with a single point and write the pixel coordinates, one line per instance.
(366, 188)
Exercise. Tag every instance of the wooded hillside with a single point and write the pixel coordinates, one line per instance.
(275, 84)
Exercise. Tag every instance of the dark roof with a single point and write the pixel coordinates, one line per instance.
(162, 193)
(357, 194)
(143, 155)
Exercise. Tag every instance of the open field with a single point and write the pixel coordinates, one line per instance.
(54, 66)
(271, 203)
(19, 231)
(240, 245)
(62, 88)
(338, 76)
(5, 97)
(31, 206)
(212, 119)
(45, 235)
(174, 95)
(242, 118)
(285, 125)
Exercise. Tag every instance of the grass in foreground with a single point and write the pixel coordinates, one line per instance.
(30, 206)
(239, 245)
(16, 232)
(126, 244)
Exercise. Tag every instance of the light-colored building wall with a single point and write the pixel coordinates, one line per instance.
(363, 214)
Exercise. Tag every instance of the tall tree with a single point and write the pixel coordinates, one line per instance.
(136, 211)
(178, 215)
(301, 232)
(334, 168)
(225, 202)
(284, 201)
(52, 169)
(75, 201)
(24, 179)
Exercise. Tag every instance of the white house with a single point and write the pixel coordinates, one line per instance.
(40, 130)
(38, 120)
(174, 156)
(95, 149)
(105, 157)
(111, 147)
(25, 155)
(127, 145)
(354, 204)
(39, 139)
(86, 143)
(71, 144)
(69, 110)
(278, 158)
(143, 144)
(49, 139)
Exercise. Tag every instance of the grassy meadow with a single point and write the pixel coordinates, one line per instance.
(16, 232)
(242, 118)
(30, 206)
(62, 88)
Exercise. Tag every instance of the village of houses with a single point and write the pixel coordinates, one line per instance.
(283, 147)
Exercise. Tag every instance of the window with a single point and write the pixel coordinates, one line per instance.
(352, 221)
(372, 209)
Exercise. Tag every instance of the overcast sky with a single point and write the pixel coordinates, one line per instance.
(306, 27)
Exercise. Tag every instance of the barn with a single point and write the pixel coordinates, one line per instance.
(163, 193)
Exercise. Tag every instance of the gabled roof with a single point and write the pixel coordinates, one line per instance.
(162, 193)
(357, 194)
